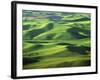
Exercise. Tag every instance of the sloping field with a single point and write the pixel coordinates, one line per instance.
(56, 39)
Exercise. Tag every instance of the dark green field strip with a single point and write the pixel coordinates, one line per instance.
(56, 61)
(85, 41)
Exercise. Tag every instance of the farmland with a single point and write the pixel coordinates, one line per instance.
(56, 39)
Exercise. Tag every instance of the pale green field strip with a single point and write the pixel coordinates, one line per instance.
(46, 51)
(33, 22)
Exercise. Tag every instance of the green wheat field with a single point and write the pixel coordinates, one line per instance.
(56, 39)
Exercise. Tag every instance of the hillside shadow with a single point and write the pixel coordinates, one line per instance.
(78, 49)
(75, 33)
(36, 32)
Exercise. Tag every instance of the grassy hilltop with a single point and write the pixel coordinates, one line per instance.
(55, 39)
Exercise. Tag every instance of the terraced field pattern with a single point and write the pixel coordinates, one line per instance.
(56, 39)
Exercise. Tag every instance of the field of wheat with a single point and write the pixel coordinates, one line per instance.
(56, 39)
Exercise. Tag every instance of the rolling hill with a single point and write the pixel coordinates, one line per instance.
(56, 39)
